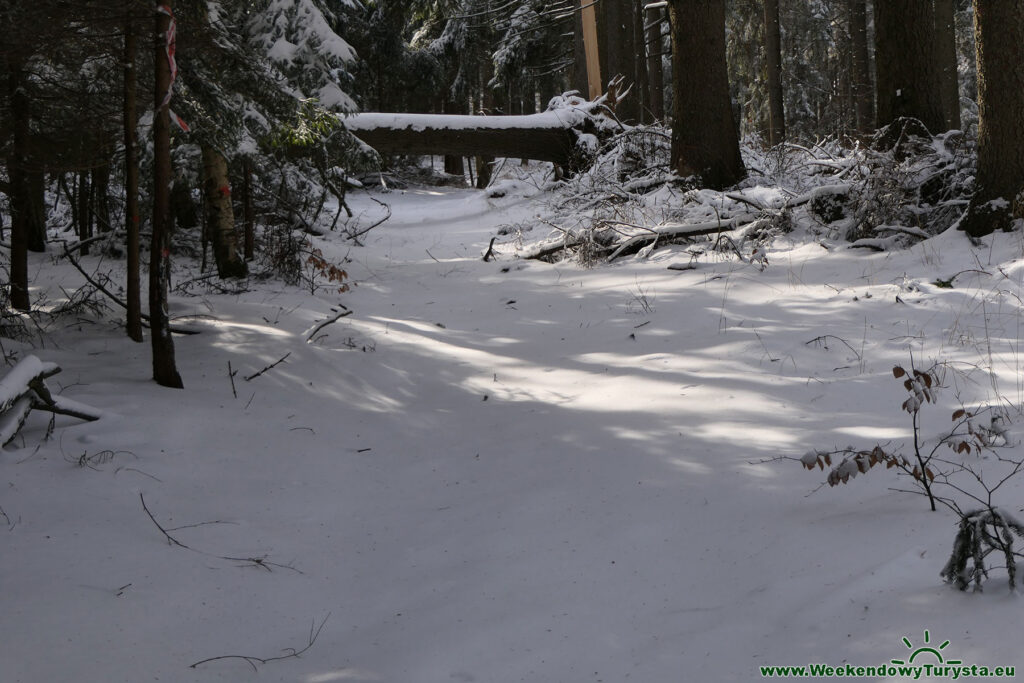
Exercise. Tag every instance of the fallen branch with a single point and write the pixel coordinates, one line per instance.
(314, 633)
(113, 297)
(171, 540)
(321, 326)
(638, 242)
(24, 388)
(269, 367)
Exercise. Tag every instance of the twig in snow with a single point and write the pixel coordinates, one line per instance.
(269, 367)
(320, 327)
(490, 250)
(314, 633)
(254, 561)
(231, 376)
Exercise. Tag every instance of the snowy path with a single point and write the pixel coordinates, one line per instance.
(544, 474)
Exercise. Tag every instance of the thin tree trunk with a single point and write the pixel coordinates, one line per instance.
(17, 169)
(37, 216)
(247, 212)
(219, 215)
(133, 324)
(643, 79)
(999, 198)
(165, 370)
(621, 52)
(773, 57)
(908, 80)
(705, 139)
(655, 19)
(84, 209)
(101, 196)
(945, 49)
(863, 95)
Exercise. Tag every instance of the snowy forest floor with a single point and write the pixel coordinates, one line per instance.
(509, 471)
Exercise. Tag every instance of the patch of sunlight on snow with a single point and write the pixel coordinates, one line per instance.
(759, 470)
(595, 390)
(690, 466)
(881, 433)
(262, 329)
(343, 675)
(746, 434)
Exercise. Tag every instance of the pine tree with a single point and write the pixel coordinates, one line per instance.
(705, 142)
(999, 196)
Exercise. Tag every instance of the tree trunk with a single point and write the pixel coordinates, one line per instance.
(945, 48)
(643, 79)
(773, 58)
(247, 213)
(619, 44)
(165, 370)
(84, 212)
(579, 56)
(655, 72)
(999, 197)
(20, 195)
(863, 95)
(219, 215)
(908, 78)
(705, 139)
(133, 324)
(37, 214)
(100, 192)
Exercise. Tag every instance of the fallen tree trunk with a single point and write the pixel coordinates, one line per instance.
(24, 388)
(549, 136)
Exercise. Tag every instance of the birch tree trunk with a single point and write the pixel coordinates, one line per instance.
(219, 215)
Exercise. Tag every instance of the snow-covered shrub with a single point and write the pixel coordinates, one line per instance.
(980, 533)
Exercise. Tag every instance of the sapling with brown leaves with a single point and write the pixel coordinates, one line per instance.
(984, 527)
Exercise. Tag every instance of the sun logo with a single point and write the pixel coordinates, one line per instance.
(925, 649)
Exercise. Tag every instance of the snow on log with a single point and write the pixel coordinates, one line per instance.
(549, 136)
(15, 383)
(24, 388)
(12, 420)
(672, 231)
(545, 140)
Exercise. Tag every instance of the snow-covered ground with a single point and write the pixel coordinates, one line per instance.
(509, 471)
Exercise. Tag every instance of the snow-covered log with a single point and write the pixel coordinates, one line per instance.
(24, 388)
(536, 136)
(566, 132)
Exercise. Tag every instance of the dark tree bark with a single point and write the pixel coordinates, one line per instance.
(165, 370)
(705, 138)
(248, 215)
(83, 199)
(620, 48)
(655, 20)
(641, 75)
(37, 214)
(773, 59)
(906, 64)
(133, 324)
(219, 216)
(20, 194)
(945, 48)
(860, 76)
(579, 56)
(999, 197)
